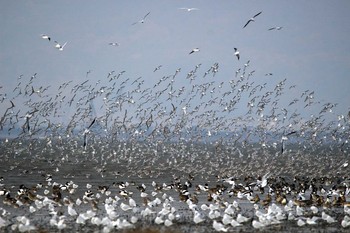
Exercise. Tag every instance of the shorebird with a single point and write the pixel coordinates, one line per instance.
(87, 130)
(157, 68)
(188, 9)
(219, 226)
(142, 20)
(277, 28)
(114, 44)
(194, 50)
(46, 37)
(60, 47)
(236, 53)
(252, 19)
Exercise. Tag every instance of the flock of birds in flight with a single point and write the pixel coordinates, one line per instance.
(236, 53)
(152, 129)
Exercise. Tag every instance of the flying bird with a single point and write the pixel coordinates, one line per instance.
(142, 20)
(46, 37)
(236, 53)
(60, 47)
(252, 19)
(157, 68)
(86, 131)
(188, 9)
(114, 44)
(275, 28)
(194, 50)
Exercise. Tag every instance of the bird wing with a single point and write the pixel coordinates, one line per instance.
(63, 45)
(247, 23)
(85, 141)
(257, 14)
(146, 15)
(92, 123)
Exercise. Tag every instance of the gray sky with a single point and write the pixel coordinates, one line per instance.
(312, 50)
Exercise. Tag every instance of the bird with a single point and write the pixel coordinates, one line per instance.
(114, 44)
(188, 9)
(157, 68)
(60, 47)
(46, 37)
(257, 224)
(277, 28)
(87, 130)
(219, 226)
(236, 53)
(252, 19)
(194, 50)
(142, 20)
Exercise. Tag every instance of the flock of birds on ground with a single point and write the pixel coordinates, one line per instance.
(218, 148)
(225, 204)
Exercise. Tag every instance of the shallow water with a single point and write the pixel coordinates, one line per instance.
(165, 164)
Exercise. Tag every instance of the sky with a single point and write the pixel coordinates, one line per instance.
(312, 50)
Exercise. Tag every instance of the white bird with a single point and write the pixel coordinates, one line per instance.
(197, 217)
(229, 209)
(96, 221)
(132, 202)
(236, 53)
(71, 210)
(114, 44)
(301, 222)
(346, 221)
(146, 212)
(252, 19)
(346, 210)
(219, 226)
(241, 218)
(142, 20)
(133, 219)
(257, 225)
(168, 222)
(194, 50)
(312, 221)
(227, 219)
(86, 131)
(188, 9)
(46, 37)
(31, 210)
(158, 220)
(213, 214)
(60, 47)
(234, 223)
(314, 209)
(328, 218)
(125, 207)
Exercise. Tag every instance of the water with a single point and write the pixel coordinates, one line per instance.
(165, 164)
